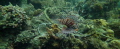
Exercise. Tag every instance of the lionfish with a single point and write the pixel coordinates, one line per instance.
(70, 23)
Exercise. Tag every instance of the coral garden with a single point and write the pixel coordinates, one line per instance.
(60, 24)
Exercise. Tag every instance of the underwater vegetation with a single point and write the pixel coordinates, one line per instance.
(60, 24)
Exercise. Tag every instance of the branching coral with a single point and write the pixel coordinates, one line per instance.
(54, 29)
(100, 22)
(47, 17)
(12, 16)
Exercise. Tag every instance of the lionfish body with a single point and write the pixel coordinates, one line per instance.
(68, 22)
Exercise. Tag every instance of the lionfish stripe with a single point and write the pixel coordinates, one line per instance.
(71, 22)
(63, 20)
(67, 22)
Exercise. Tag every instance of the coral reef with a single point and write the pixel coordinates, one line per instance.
(60, 24)
(6, 2)
(96, 8)
(115, 26)
(48, 3)
(12, 16)
(12, 21)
